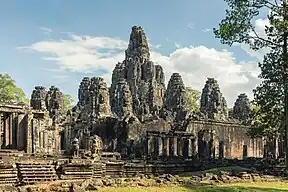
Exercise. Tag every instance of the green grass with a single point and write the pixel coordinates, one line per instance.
(237, 187)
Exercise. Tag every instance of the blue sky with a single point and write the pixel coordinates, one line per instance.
(35, 37)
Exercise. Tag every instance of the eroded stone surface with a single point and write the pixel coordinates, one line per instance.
(242, 108)
(38, 98)
(121, 99)
(212, 103)
(54, 103)
(175, 96)
(144, 78)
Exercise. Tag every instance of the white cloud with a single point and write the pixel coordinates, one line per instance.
(190, 25)
(195, 64)
(46, 30)
(260, 30)
(206, 30)
(177, 45)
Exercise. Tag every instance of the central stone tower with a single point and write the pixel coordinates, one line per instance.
(144, 79)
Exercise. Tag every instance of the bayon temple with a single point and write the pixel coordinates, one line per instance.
(136, 111)
(136, 117)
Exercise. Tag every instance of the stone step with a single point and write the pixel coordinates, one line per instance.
(23, 175)
(7, 175)
(64, 177)
(35, 167)
(9, 179)
(8, 172)
(78, 173)
(38, 169)
(8, 182)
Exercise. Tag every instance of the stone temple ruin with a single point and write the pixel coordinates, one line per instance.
(137, 117)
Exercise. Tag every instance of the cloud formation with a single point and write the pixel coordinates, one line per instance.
(260, 30)
(89, 54)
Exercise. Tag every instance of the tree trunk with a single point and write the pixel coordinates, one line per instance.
(285, 82)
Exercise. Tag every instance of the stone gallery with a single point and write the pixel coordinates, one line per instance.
(137, 117)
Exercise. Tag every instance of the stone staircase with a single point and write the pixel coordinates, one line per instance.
(99, 170)
(73, 171)
(8, 174)
(114, 169)
(34, 172)
(133, 169)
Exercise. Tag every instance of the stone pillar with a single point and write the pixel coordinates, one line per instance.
(201, 145)
(275, 148)
(6, 130)
(20, 132)
(245, 151)
(194, 147)
(186, 147)
(11, 115)
(1, 129)
(190, 147)
(221, 149)
(150, 145)
(29, 129)
(175, 148)
(156, 146)
(212, 145)
(160, 146)
(179, 145)
(171, 145)
(166, 146)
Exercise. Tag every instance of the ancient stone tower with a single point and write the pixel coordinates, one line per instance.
(93, 95)
(212, 103)
(242, 108)
(144, 79)
(175, 96)
(38, 98)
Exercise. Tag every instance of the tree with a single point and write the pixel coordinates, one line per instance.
(193, 99)
(68, 101)
(9, 92)
(272, 94)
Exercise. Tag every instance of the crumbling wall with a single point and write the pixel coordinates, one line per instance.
(234, 137)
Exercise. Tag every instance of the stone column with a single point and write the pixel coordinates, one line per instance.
(212, 145)
(175, 144)
(180, 146)
(150, 145)
(6, 130)
(20, 132)
(166, 146)
(29, 128)
(171, 146)
(275, 148)
(160, 146)
(194, 147)
(245, 151)
(1, 130)
(201, 145)
(11, 115)
(221, 149)
(190, 147)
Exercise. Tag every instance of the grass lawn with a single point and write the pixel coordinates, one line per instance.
(236, 187)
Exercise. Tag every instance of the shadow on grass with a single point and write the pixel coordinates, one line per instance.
(213, 188)
(216, 171)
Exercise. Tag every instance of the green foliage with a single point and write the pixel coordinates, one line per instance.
(193, 99)
(238, 27)
(9, 92)
(68, 101)
(269, 97)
